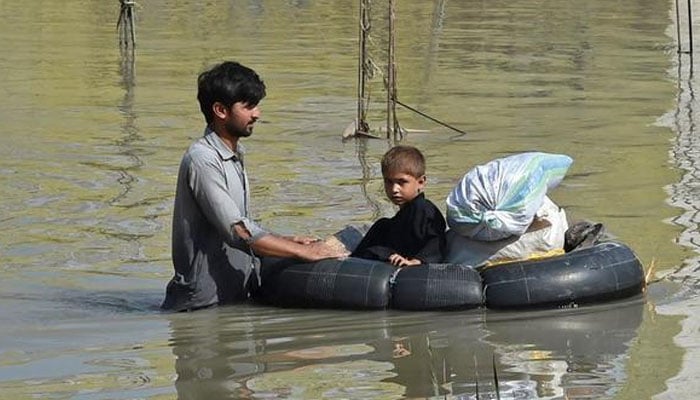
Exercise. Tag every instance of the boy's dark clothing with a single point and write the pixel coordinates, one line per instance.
(416, 231)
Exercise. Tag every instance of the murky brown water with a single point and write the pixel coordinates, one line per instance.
(89, 148)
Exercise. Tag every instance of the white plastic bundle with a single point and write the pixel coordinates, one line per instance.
(500, 198)
(544, 236)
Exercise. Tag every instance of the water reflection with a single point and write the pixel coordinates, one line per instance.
(686, 155)
(374, 204)
(254, 352)
(569, 354)
(85, 213)
(130, 132)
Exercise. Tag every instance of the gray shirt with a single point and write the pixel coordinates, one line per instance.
(212, 264)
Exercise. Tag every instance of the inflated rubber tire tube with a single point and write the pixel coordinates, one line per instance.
(332, 283)
(606, 271)
(436, 287)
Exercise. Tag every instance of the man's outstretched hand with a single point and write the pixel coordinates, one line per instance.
(319, 250)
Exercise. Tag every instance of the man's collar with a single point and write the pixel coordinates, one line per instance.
(224, 151)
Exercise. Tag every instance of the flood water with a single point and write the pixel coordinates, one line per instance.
(90, 142)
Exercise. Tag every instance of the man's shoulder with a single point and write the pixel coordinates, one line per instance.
(200, 144)
(200, 149)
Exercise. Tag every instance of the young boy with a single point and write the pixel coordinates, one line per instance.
(416, 234)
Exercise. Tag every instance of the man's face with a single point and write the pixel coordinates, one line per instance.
(240, 119)
(401, 188)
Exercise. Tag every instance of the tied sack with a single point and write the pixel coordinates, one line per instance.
(500, 198)
(544, 237)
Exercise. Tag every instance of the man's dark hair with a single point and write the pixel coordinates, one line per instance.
(228, 83)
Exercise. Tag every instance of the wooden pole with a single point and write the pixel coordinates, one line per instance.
(364, 63)
(690, 27)
(678, 28)
(391, 84)
(361, 68)
(127, 24)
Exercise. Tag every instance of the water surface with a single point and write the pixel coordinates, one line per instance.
(90, 143)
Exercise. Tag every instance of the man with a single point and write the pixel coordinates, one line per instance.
(215, 243)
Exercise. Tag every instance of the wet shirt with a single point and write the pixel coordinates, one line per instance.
(416, 231)
(212, 264)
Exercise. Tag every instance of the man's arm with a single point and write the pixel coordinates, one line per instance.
(277, 246)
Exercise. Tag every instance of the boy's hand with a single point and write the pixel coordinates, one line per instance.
(398, 260)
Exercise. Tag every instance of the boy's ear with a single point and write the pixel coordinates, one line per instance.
(422, 181)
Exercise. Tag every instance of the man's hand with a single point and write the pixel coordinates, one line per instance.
(303, 239)
(398, 260)
(318, 250)
(303, 248)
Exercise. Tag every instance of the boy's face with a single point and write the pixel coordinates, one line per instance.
(401, 188)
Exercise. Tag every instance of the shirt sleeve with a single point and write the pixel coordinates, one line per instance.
(207, 181)
(432, 230)
(431, 252)
(373, 245)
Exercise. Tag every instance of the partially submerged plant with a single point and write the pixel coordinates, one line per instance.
(650, 274)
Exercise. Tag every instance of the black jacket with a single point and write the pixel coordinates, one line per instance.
(416, 231)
